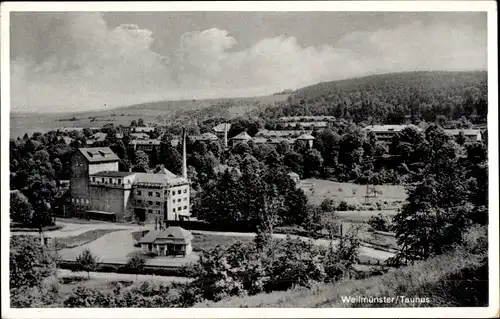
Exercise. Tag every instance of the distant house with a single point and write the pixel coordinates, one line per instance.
(172, 241)
(142, 129)
(205, 137)
(308, 138)
(385, 133)
(66, 139)
(139, 136)
(242, 137)
(471, 135)
(145, 145)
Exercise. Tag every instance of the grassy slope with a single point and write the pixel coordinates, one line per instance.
(317, 190)
(155, 112)
(440, 278)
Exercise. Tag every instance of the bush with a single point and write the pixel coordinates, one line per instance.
(379, 222)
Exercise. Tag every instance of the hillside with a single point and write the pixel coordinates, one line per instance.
(151, 112)
(385, 98)
(393, 98)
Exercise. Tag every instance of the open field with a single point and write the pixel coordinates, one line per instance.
(150, 112)
(317, 190)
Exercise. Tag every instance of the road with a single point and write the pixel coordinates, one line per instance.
(118, 245)
(124, 277)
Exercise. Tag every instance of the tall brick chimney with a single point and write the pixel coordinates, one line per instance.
(184, 160)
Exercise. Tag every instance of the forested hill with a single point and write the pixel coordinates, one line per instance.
(393, 98)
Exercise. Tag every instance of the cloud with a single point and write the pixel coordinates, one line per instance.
(75, 60)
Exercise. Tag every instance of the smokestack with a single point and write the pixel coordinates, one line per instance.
(225, 135)
(184, 164)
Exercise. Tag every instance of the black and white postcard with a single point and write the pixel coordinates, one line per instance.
(249, 159)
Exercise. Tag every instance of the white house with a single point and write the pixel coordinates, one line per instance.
(171, 241)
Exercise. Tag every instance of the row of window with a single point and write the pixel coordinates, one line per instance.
(154, 211)
(108, 180)
(157, 194)
(150, 194)
(80, 201)
(179, 209)
(149, 202)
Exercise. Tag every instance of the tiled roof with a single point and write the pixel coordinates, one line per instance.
(98, 154)
(171, 233)
(242, 136)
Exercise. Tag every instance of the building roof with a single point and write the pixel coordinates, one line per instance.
(242, 136)
(293, 174)
(280, 133)
(302, 118)
(140, 135)
(171, 233)
(143, 129)
(306, 137)
(98, 154)
(146, 142)
(465, 131)
(389, 128)
(99, 136)
(222, 127)
(204, 137)
(112, 174)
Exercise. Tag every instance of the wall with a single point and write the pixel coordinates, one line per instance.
(79, 188)
(177, 204)
(101, 167)
(108, 200)
(153, 203)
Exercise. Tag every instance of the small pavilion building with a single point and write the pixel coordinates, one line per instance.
(172, 241)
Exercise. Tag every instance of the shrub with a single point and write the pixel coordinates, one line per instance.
(379, 222)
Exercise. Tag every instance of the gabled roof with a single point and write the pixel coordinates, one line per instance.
(222, 127)
(98, 154)
(242, 136)
(293, 174)
(173, 233)
(306, 137)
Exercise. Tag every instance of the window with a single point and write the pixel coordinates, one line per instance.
(185, 190)
(150, 202)
(185, 199)
(179, 200)
(150, 194)
(179, 192)
(157, 194)
(93, 179)
(185, 207)
(139, 193)
(150, 247)
(157, 203)
(139, 201)
(150, 211)
(110, 180)
(119, 181)
(173, 209)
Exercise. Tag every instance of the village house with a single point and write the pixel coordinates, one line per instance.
(274, 137)
(172, 241)
(294, 177)
(471, 135)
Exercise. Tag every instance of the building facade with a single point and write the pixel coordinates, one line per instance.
(98, 188)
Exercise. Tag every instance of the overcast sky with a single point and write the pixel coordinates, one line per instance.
(83, 61)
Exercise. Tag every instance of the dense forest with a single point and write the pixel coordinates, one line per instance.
(392, 98)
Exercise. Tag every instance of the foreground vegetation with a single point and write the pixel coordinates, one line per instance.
(443, 279)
